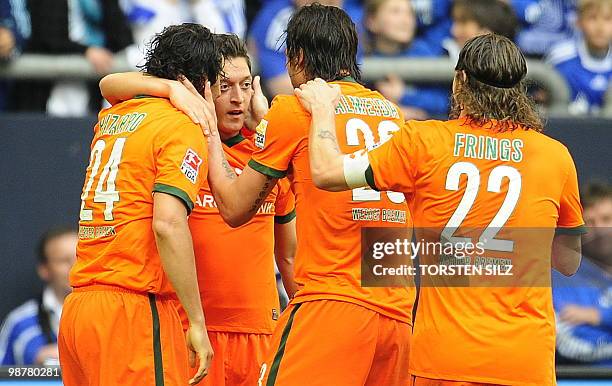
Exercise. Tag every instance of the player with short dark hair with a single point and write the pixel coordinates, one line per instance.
(331, 305)
(488, 170)
(120, 325)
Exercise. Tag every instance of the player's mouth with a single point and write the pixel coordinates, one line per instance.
(237, 113)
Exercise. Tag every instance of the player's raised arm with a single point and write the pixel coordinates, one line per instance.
(119, 87)
(328, 166)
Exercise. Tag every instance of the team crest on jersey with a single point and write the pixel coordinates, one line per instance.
(191, 165)
(260, 134)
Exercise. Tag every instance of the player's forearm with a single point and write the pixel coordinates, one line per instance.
(221, 177)
(284, 253)
(176, 251)
(119, 87)
(237, 199)
(326, 159)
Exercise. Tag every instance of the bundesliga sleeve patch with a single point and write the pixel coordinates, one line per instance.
(191, 165)
(260, 134)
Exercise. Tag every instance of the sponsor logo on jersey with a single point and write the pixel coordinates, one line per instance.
(191, 165)
(260, 134)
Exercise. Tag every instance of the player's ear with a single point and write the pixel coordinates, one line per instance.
(300, 59)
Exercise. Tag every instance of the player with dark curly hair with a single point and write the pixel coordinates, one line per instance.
(135, 255)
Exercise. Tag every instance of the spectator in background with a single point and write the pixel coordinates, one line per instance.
(478, 17)
(583, 303)
(544, 23)
(434, 22)
(390, 26)
(94, 28)
(12, 34)
(12, 37)
(586, 61)
(267, 44)
(29, 333)
(148, 17)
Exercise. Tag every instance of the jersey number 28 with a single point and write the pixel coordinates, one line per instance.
(385, 130)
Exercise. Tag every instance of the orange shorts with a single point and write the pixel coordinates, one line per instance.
(238, 358)
(110, 336)
(420, 381)
(328, 342)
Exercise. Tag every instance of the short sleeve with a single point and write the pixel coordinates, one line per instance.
(392, 164)
(570, 211)
(278, 136)
(181, 163)
(285, 203)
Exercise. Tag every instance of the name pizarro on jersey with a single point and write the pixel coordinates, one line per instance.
(113, 124)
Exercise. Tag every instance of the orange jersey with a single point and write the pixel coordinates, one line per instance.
(140, 146)
(456, 174)
(328, 259)
(236, 265)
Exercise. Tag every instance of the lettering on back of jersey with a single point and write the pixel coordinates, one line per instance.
(489, 148)
(191, 165)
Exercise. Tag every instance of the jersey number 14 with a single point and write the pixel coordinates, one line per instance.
(105, 189)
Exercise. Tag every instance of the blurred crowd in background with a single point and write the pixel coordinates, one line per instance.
(574, 36)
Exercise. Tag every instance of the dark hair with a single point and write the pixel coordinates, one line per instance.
(495, 15)
(47, 237)
(327, 39)
(595, 191)
(186, 49)
(495, 91)
(231, 46)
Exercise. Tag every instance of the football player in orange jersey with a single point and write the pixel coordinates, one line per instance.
(235, 266)
(335, 331)
(463, 335)
(135, 254)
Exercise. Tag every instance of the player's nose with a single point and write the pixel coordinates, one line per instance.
(237, 95)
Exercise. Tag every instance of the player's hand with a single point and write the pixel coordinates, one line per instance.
(199, 346)
(189, 103)
(259, 106)
(318, 93)
(101, 59)
(574, 314)
(204, 109)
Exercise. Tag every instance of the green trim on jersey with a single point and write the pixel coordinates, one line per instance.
(157, 349)
(575, 231)
(176, 192)
(278, 357)
(369, 176)
(236, 139)
(266, 170)
(286, 218)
